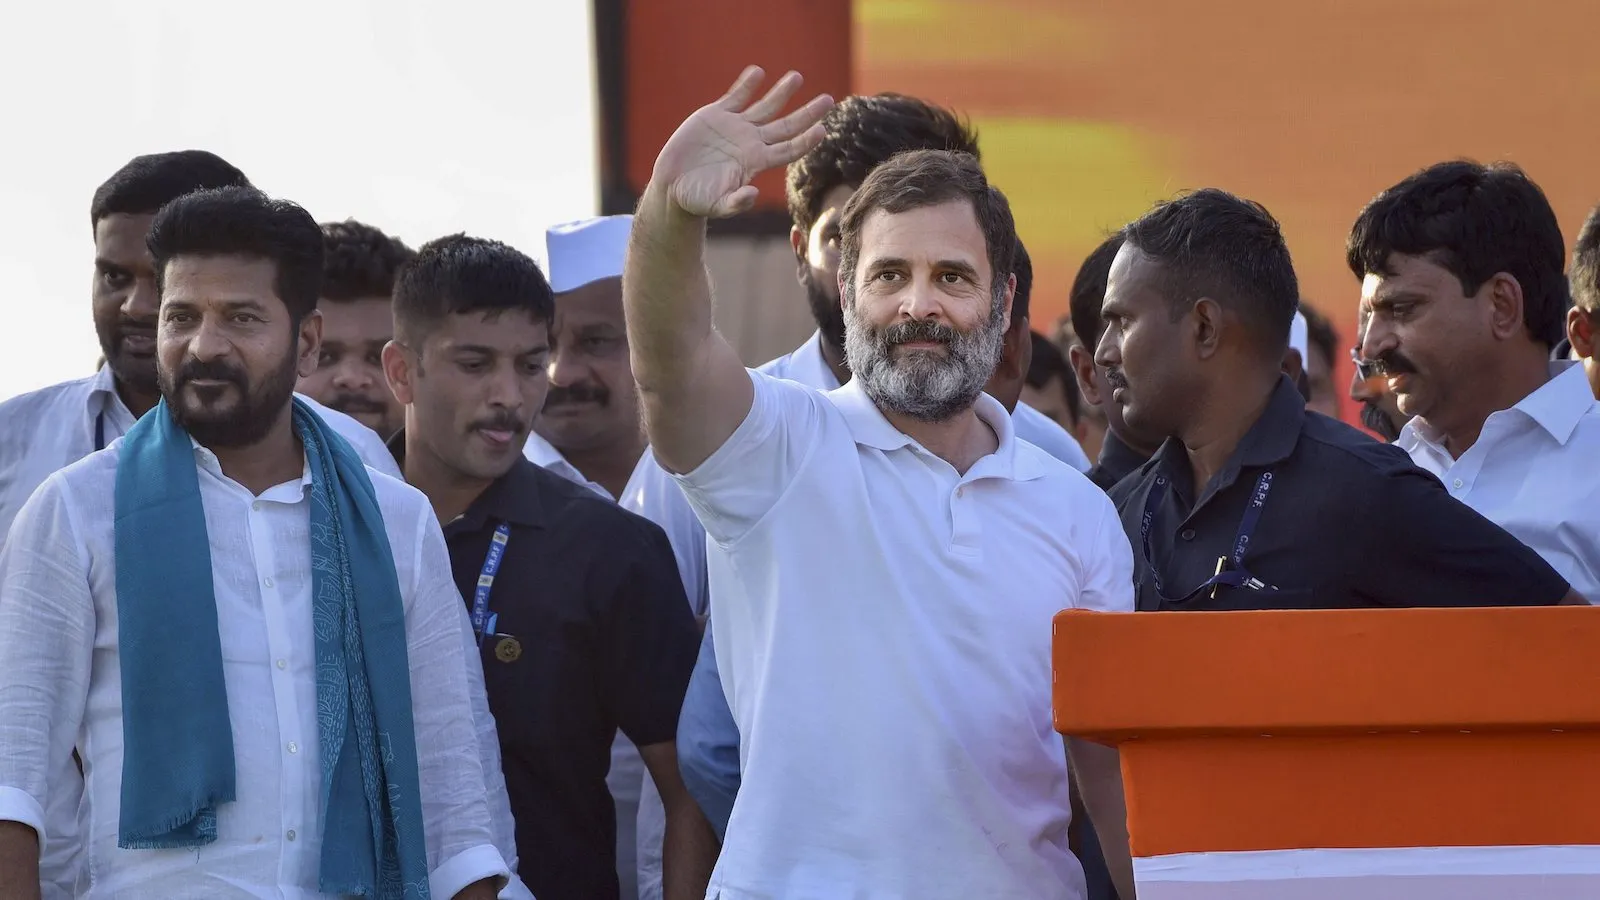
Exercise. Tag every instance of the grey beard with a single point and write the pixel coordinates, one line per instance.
(923, 386)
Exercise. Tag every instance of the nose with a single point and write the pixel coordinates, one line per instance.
(1378, 338)
(505, 388)
(920, 300)
(142, 301)
(565, 367)
(208, 342)
(1108, 352)
(353, 376)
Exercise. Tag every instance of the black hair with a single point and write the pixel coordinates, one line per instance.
(1321, 334)
(146, 183)
(1474, 221)
(1212, 244)
(1022, 267)
(460, 274)
(1049, 362)
(359, 261)
(1585, 276)
(1089, 292)
(863, 133)
(921, 178)
(245, 222)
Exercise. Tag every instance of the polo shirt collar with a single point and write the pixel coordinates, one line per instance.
(1557, 407)
(1268, 442)
(514, 497)
(1117, 458)
(870, 428)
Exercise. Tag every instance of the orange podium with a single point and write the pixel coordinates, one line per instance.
(1398, 754)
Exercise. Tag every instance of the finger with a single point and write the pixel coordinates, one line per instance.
(785, 152)
(797, 122)
(775, 100)
(744, 88)
(737, 202)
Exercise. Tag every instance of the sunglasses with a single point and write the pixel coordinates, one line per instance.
(1365, 368)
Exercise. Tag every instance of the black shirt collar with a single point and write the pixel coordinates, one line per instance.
(1117, 459)
(1268, 442)
(516, 497)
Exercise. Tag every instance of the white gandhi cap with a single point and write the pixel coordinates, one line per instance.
(586, 251)
(1298, 339)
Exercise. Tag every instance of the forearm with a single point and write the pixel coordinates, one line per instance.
(1098, 771)
(19, 862)
(666, 293)
(689, 852)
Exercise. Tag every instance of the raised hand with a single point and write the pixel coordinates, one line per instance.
(708, 163)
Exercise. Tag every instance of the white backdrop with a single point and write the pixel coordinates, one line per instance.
(422, 117)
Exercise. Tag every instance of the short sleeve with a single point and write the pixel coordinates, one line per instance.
(708, 741)
(738, 484)
(652, 639)
(1426, 548)
(1108, 582)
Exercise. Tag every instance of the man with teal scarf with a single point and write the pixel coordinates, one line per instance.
(250, 639)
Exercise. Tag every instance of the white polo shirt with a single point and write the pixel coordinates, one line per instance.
(883, 626)
(807, 366)
(1532, 471)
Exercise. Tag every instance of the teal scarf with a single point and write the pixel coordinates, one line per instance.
(177, 763)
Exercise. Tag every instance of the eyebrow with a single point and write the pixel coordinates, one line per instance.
(481, 350)
(1392, 297)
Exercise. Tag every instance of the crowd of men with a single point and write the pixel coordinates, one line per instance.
(358, 569)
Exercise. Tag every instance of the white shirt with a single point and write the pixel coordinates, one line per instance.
(60, 687)
(807, 366)
(53, 427)
(883, 628)
(1532, 472)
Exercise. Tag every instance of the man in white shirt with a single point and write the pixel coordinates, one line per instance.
(1462, 297)
(589, 433)
(250, 639)
(886, 557)
(47, 429)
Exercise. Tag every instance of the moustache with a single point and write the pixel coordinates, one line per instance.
(1116, 379)
(919, 330)
(1393, 362)
(501, 422)
(354, 403)
(577, 393)
(1378, 421)
(194, 369)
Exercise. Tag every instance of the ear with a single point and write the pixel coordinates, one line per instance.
(1581, 332)
(1083, 366)
(308, 339)
(399, 369)
(797, 243)
(1206, 322)
(1293, 365)
(1019, 341)
(1505, 306)
(1011, 294)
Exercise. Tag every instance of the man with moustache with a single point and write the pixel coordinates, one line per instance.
(246, 634)
(47, 429)
(357, 279)
(1380, 413)
(884, 752)
(1464, 294)
(589, 433)
(1254, 503)
(576, 604)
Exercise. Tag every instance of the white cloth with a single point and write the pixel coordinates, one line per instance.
(883, 624)
(53, 427)
(586, 251)
(1532, 472)
(641, 817)
(807, 366)
(60, 688)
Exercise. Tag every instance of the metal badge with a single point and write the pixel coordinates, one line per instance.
(508, 650)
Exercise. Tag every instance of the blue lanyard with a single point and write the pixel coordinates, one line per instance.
(482, 621)
(1237, 576)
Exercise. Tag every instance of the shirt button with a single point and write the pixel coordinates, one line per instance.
(290, 835)
(256, 506)
(293, 747)
(283, 664)
(1187, 534)
(267, 581)
(961, 491)
(1458, 484)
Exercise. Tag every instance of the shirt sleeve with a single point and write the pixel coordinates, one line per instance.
(456, 813)
(1427, 548)
(47, 629)
(746, 477)
(651, 636)
(708, 741)
(1108, 583)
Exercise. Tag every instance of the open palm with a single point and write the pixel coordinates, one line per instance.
(709, 162)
